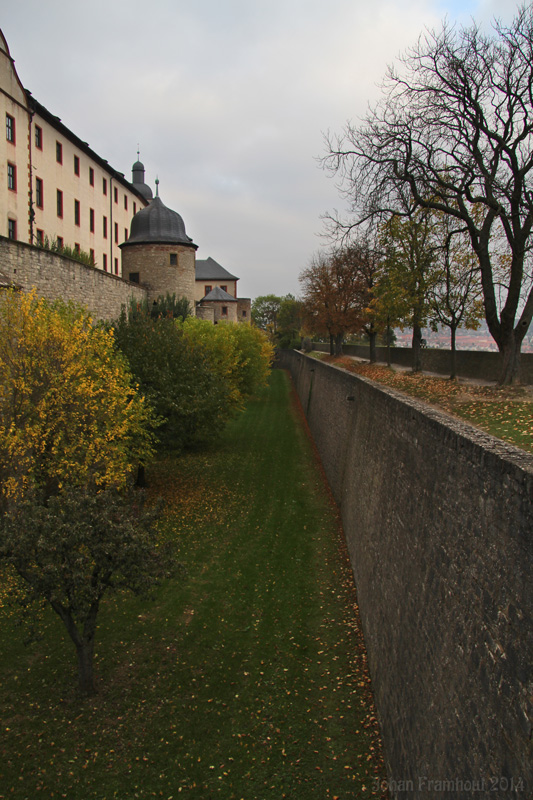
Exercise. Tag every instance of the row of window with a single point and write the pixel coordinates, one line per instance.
(210, 288)
(39, 191)
(39, 235)
(59, 159)
(77, 217)
(10, 136)
(39, 201)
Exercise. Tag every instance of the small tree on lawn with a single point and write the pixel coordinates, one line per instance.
(265, 310)
(455, 298)
(75, 548)
(409, 274)
(72, 428)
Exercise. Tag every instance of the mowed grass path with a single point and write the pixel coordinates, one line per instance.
(245, 677)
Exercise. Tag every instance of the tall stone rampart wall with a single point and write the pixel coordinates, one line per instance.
(470, 363)
(438, 518)
(55, 276)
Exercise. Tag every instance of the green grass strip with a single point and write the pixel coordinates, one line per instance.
(245, 677)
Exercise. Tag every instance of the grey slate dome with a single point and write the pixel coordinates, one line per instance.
(157, 224)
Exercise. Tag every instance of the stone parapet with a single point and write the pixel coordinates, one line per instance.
(438, 518)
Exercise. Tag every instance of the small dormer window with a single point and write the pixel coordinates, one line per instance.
(173, 259)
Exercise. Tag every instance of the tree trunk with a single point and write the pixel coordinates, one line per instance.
(453, 371)
(372, 336)
(338, 344)
(508, 338)
(510, 361)
(84, 642)
(331, 345)
(140, 480)
(417, 348)
(85, 651)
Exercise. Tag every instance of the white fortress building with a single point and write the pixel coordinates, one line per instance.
(55, 188)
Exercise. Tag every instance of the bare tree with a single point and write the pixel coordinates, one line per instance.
(455, 297)
(453, 133)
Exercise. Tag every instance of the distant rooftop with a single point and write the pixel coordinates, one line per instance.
(209, 270)
(220, 295)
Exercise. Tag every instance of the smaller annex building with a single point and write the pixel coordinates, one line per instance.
(216, 288)
(159, 254)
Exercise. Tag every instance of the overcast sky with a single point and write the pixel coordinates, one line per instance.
(228, 101)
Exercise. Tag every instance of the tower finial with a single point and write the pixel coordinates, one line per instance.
(138, 152)
(157, 187)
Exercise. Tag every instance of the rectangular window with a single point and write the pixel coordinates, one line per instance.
(125, 202)
(173, 259)
(244, 312)
(104, 186)
(207, 290)
(104, 262)
(77, 214)
(116, 266)
(10, 128)
(39, 194)
(59, 152)
(91, 176)
(134, 209)
(224, 288)
(40, 237)
(115, 193)
(224, 311)
(104, 227)
(116, 232)
(76, 166)
(12, 177)
(125, 234)
(91, 220)
(38, 137)
(60, 203)
(60, 242)
(91, 253)
(11, 229)
(135, 277)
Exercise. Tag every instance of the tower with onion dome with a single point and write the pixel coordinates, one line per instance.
(158, 252)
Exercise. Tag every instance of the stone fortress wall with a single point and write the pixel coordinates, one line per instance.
(56, 276)
(477, 364)
(438, 517)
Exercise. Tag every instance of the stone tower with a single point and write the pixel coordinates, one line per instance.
(158, 252)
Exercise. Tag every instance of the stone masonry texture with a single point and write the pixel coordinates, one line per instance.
(152, 263)
(56, 276)
(438, 518)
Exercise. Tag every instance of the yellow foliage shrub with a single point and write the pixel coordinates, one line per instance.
(68, 411)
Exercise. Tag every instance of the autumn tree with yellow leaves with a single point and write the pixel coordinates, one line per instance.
(72, 430)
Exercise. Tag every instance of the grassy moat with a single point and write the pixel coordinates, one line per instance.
(246, 675)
